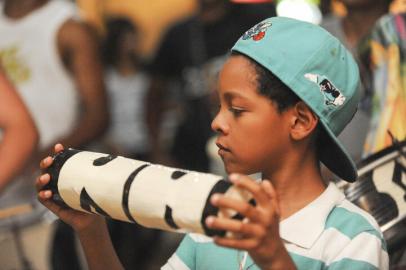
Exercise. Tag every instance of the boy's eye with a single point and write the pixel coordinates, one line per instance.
(236, 111)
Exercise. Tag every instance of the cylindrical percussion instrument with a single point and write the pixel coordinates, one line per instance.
(130, 190)
(381, 191)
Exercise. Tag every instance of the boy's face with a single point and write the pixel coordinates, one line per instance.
(252, 134)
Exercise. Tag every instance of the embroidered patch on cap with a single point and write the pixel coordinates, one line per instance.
(257, 32)
(332, 96)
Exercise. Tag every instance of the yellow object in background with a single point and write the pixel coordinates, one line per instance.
(398, 6)
(389, 99)
(338, 8)
(151, 17)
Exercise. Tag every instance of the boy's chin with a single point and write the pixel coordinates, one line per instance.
(237, 169)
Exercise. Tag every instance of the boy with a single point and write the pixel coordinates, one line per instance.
(286, 92)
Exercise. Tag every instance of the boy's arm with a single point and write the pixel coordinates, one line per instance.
(98, 248)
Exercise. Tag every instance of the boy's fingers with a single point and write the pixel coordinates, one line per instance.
(58, 148)
(252, 186)
(244, 208)
(42, 181)
(237, 227)
(267, 187)
(44, 195)
(46, 162)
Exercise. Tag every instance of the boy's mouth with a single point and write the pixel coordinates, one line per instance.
(222, 148)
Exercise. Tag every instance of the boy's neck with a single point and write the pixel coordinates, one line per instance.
(294, 198)
(297, 186)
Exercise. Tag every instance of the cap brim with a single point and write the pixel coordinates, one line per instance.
(333, 155)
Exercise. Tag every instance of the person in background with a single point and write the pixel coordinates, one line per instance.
(388, 121)
(18, 134)
(63, 65)
(126, 84)
(353, 31)
(387, 62)
(183, 75)
(52, 58)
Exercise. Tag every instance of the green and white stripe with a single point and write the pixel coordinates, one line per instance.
(351, 239)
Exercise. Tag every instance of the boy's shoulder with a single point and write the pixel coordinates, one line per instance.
(351, 220)
(330, 215)
(332, 231)
(358, 237)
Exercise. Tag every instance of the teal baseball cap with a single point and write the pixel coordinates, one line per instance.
(319, 70)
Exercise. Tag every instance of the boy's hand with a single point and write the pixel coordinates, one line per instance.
(80, 221)
(258, 232)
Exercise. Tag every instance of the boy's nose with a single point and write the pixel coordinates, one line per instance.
(219, 125)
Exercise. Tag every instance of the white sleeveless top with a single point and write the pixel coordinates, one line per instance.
(127, 96)
(29, 54)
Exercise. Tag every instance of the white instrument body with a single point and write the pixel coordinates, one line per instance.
(130, 190)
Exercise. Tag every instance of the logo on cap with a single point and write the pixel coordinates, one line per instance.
(332, 96)
(257, 32)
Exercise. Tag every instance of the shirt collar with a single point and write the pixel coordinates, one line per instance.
(304, 227)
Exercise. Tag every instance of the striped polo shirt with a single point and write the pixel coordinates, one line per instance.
(329, 233)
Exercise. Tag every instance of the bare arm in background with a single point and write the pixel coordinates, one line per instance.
(79, 49)
(19, 134)
(154, 112)
(156, 107)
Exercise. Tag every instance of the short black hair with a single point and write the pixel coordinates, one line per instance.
(272, 87)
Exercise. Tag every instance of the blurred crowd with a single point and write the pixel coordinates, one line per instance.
(137, 79)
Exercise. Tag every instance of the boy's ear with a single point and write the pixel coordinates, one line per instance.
(303, 121)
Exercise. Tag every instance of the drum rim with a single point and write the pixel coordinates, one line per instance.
(380, 154)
